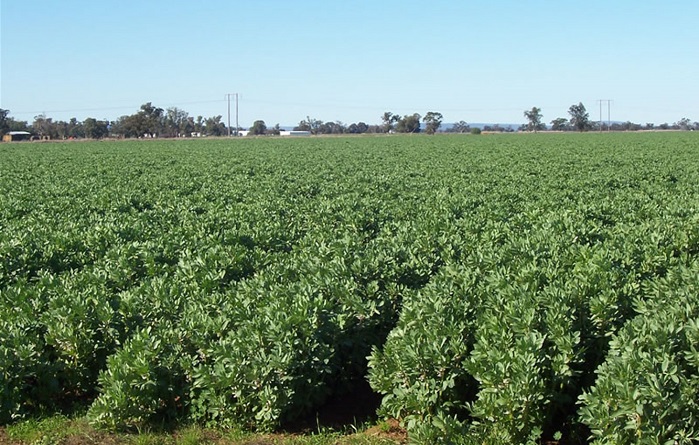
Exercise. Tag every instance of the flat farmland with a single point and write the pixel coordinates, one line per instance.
(482, 289)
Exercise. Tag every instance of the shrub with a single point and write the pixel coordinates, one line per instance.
(420, 369)
(647, 390)
(143, 384)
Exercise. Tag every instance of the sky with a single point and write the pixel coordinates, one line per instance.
(350, 61)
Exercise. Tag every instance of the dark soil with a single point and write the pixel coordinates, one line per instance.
(356, 407)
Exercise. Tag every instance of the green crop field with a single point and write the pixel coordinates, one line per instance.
(492, 289)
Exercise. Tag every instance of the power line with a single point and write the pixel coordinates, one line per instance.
(124, 107)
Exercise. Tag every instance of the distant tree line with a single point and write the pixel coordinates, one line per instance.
(391, 123)
(148, 122)
(151, 122)
(579, 120)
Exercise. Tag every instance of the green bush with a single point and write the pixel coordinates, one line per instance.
(647, 390)
(144, 382)
(420, 369)
(28, 374)
(81, 331)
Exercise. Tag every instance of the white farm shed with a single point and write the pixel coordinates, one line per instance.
(294, 133)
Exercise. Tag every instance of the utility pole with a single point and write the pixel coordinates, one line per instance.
(609, 113)
(228, 96)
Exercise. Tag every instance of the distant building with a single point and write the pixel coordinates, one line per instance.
(13, 136)
(294, 133)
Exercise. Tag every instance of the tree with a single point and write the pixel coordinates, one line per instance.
(4, 125)
(432, 120)
(153, 119)
(332, 128)
(460, 127)
(358, 128)
(14, 125)
(176, 122)
(214, 127)
(389, 119)
(187, 127)
(123, 127)
(258, 128)
(95, 129)
(409, 124)
(684, 124)
(309, 124)
(149, 121)
(276, 130)
(135, 126)
(579, 117)
(199, 125)
(45, 126)
(627, 126)
(559, 124)
(534, 117)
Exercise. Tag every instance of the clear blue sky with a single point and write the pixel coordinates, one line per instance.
(478, 61)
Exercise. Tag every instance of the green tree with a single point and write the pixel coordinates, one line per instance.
(332, 128)
(460, 127)
(579, 117)
(258, 128)
(534, 117)
(149, 121)
(213, 126)
(684, 124)
(432, 120)
(175, 122)
(410, 123)
(199, 125)
(358, 128)
(152, 119)
(314, 124)
(187, 127)
(4, 125)
(76, 129)
(389, 119)
(14, 125)
(303, 126)
(95, 129)
(309, 124)
(44, 126)
(559, 124)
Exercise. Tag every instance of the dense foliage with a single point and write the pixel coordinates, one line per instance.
(500, 289)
